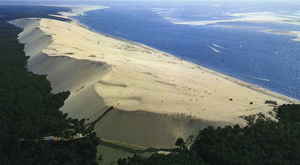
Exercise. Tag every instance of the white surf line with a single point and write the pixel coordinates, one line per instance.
(257, 78)
(218, 46)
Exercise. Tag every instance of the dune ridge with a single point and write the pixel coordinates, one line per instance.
(157, 97)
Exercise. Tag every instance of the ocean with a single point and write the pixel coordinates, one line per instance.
(203, 32)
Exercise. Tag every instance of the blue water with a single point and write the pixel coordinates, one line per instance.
(247, 54)
(267, 60)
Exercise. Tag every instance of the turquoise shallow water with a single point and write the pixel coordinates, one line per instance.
(268, 60)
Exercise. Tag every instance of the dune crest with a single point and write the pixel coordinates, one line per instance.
(157, 97)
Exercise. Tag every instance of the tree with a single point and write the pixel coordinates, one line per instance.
(180, 143)
(122, 161)
(29, 111)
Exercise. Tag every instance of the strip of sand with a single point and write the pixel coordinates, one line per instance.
(76, 10)
(295, 34)
(254, 17)
(157, 96)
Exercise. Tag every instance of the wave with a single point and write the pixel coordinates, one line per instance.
(257, 78)
(156, 9)
(163, 12)
(166, 13)
(170, 18)
(162, 9)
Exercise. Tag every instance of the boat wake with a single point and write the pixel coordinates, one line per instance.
(218, 46)
(215, 50)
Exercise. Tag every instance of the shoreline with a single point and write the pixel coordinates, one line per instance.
(131, 47)
(233, 79)
(79, 10)
(149, 89)
(101, 70)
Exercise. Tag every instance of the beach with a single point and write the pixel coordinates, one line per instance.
(156, 97)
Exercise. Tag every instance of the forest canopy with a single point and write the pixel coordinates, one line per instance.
(262, 142)
(28, 110)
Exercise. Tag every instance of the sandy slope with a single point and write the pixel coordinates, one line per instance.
(157, 97)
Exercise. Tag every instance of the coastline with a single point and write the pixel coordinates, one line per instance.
(149, 88)
(79, 10)
(250, 85)
(235, 80)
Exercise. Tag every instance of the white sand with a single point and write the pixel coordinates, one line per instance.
(157, 97)
(76, 10)
(255, 17)
(80, 9)
(295, 34)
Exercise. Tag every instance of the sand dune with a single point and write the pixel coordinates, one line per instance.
(157, 97)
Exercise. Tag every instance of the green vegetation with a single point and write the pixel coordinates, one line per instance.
(180, 143)
(262, 142)
(28, 110)
(177, 158)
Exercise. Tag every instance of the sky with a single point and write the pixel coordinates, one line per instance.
(151, 0)
(283, 1)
